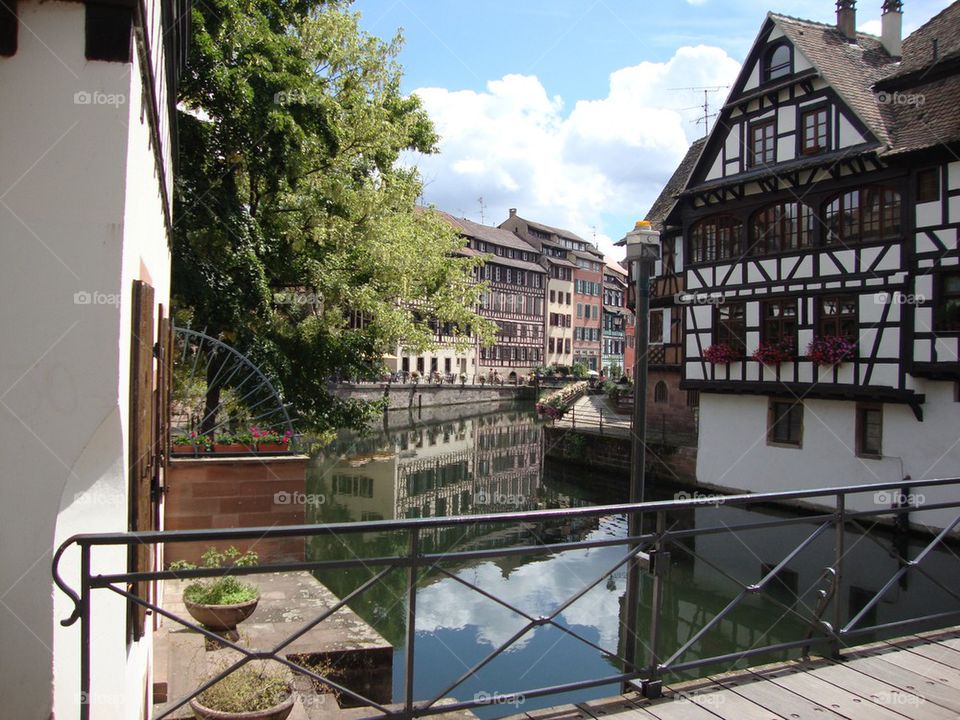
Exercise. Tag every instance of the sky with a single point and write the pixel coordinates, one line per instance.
(575, 112)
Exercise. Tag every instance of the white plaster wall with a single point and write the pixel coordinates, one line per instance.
(78, 214)
(733, 450)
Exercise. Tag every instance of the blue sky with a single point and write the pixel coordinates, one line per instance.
(572, 111)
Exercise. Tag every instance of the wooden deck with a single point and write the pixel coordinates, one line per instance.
(914, 677)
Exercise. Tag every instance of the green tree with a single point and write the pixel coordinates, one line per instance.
(297, 237)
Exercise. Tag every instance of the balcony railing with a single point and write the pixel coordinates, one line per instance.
(825, 625)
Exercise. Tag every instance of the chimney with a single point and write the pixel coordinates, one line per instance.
(513, 212)
(847, 19)
(891, 34)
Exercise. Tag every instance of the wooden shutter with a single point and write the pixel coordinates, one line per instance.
(142, 516)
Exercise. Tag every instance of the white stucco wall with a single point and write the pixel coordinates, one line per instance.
(733, 450)
(80, 220)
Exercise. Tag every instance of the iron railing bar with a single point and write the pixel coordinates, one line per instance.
(900, 573)
(901, 559)
(583, 591)
(504, 518)
(83, 612)
(793, 553)
(813, 621)
(477, 666)
(485, 594)
(747, 590)
(899, 623)
(104, 580)
(393, 561)
(409, 656)
(682, 650)
(219, 639)
(529, 617)
(727, 657)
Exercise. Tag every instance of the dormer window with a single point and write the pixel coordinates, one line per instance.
(778, 62)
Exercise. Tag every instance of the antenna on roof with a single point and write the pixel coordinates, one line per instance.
(483, 206)
(707, 115)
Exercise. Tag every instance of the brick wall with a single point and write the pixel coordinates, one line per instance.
(235, 492)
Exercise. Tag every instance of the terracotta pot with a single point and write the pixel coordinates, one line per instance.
(231, 448)
(273, 447)
(277, 712)
(221, 617)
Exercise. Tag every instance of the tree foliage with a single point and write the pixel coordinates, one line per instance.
(297, 235)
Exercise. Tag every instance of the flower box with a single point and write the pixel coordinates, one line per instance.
(773, 353)
(830, 350)
(721, 354)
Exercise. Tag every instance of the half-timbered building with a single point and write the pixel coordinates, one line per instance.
(819, 230)
(615, 320)
(514, 300)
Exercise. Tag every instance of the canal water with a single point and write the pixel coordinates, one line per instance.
(460, 461)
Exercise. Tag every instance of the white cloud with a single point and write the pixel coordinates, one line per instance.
(584, 170)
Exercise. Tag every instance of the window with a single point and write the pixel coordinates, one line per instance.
(763, 148)
(550, 345)
(566, 345)
(946, 316)
(730, 326)
(108, 32)
(781, 227)
(785, 423)
(8, 27)
(870, 213)
(838, 317)
(779, 322)
(656, 327)
(660, 392)
(869, 430)
(778, 62)
(553, 296)
(815, 138)
(928, 185)
(716, 238)
(569, 299)
(693, 398)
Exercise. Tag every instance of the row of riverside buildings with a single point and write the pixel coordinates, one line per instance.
(556, 301)
(819, 220)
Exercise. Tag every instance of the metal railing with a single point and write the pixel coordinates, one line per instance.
(648, 551)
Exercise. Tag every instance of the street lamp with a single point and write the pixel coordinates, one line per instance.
(643, 251)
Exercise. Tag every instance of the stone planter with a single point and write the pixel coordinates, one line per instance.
(221, 617)
(277, 712)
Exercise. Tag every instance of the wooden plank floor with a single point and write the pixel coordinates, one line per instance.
(916, 677)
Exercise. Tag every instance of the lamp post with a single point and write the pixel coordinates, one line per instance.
(643, 250)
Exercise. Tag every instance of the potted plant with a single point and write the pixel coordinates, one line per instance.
(220, 603)
(255, 691)
(720, 354)
(773, 353)
(190, 444)
(271, 440)
(830, 350)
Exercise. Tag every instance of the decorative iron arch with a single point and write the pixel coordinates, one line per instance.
(245, 393)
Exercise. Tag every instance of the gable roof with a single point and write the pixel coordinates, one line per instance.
(488, 234)
(851, 68)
